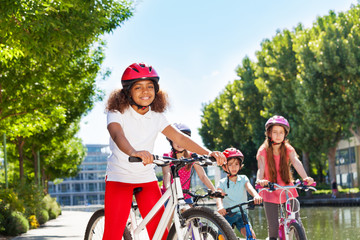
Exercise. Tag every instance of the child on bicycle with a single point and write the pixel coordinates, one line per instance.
(275, 156)
(236, 187)
(134, 119)
(185, 172)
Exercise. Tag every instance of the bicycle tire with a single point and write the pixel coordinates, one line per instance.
(296, 231)
(212, 224)
(95, 227)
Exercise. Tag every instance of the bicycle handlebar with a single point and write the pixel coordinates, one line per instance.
(298, 185)
(250, 204)
(204, 160)
(210, 193)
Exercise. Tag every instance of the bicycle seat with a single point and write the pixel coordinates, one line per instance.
(136, 190)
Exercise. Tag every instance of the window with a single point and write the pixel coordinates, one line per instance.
(64, 200)
(101, 176)
(91, 187)
(90, 176)
(52, 188)
(78, 187)
(102, 186)
(345, 156)
(64, 187)
(91, 199)
(78, 200)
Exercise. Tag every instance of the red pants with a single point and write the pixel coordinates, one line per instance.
(118, 198)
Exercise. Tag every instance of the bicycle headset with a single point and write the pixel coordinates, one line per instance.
(232, 153)
(278, 121)
(137, 72)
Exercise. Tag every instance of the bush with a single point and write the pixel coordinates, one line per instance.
(16, 224)
(52, 207)
(32, 195)
(9, 201)
(42, 216)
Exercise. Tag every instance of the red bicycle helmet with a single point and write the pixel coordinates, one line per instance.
(139, 71)
(232, 153)
(278, 120)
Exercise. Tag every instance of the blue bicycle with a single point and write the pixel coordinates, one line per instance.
(250, 205)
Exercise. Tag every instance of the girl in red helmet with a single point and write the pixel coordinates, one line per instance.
(134, 119)
(275, 156)
(236, 187)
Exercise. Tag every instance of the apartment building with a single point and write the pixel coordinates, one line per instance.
(88, 187)
(347, 165)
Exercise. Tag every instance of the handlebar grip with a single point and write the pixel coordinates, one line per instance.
(135, 159)
(212, 159)
(312, 185)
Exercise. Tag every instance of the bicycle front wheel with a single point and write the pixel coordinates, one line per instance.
(95, 227)
(296, 231)
(203, 223)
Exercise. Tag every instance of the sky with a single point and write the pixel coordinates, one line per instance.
(195, 47)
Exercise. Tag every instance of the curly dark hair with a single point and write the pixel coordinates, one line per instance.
(119, 101)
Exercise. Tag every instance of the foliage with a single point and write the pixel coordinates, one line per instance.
(52, 206)
(50, 56)
(310, 76)
(9, 201)
(32, 195)
(33, 222)
(229, 121)
(16, 224)
(42, 216)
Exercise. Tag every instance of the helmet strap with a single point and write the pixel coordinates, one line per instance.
(132, 102)
(274, 143)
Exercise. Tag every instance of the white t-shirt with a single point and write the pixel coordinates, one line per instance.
(141, 132)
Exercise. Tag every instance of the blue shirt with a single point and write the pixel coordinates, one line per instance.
(236, 193)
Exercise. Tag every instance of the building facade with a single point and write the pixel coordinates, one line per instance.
(347, 164)
(88, 187)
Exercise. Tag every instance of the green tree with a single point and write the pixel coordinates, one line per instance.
(328, 58)
(50, 55)
(232, 120)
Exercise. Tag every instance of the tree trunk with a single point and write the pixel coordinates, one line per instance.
(35, 163)
(356, 133)
(20, 145)
(305, 162)
(331, 157)
(44, 181)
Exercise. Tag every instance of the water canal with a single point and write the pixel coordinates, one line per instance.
(337, 223)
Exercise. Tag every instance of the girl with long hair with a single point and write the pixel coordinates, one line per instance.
(275, 158)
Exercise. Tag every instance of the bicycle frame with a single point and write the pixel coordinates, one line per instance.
(249, 235)
(175, 197)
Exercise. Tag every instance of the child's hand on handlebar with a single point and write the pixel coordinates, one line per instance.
(263, 182)
(258, 199)
(145, 156)
(219, 156)
(222, 211)
(308, 180)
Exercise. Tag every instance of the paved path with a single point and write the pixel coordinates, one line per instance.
(70, 225)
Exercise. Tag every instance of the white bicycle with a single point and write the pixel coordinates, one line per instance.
(200, 223)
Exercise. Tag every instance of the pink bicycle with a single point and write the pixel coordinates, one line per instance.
(289, 226)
